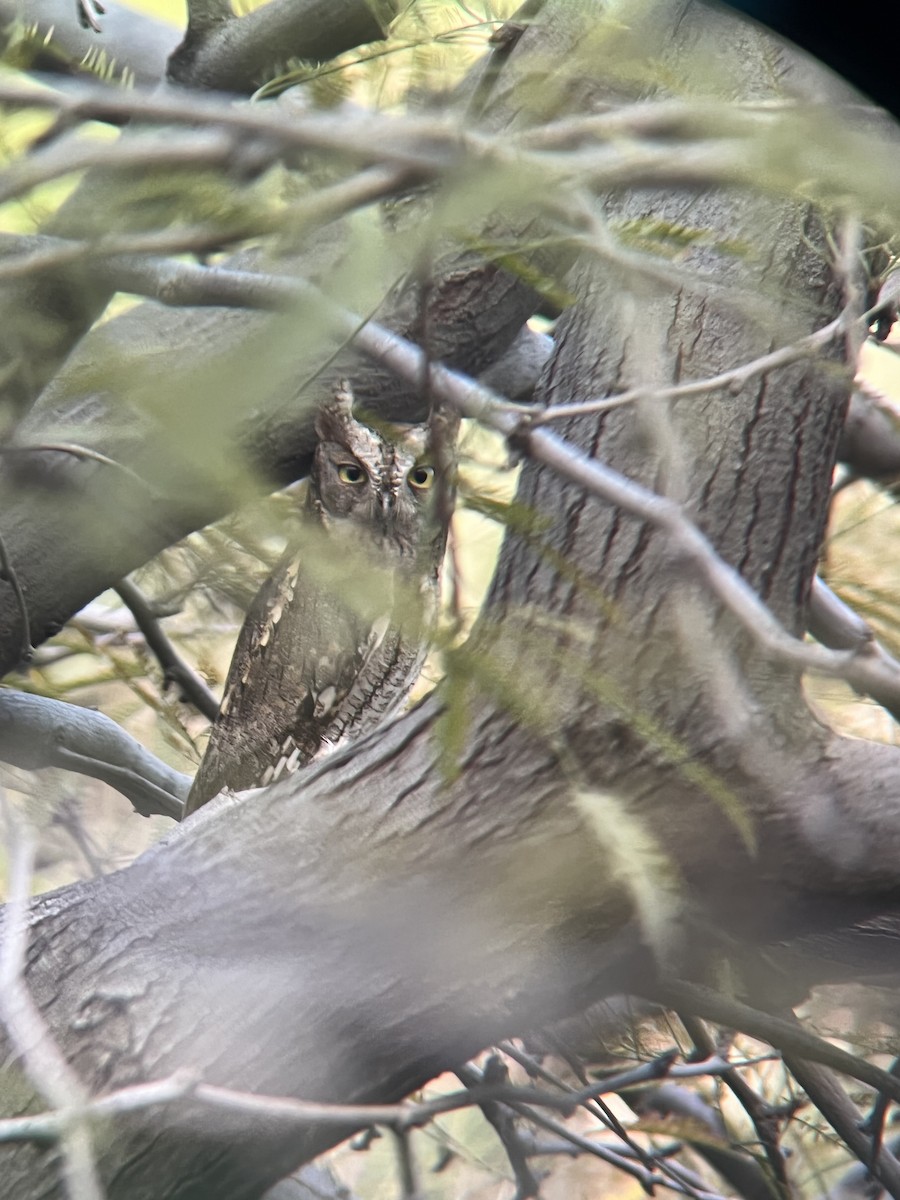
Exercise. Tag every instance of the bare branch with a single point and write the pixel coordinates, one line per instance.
(423, 144)
(123, 262)
(210, 148)
(873, 1125)
(845, 1118)
(786, 1035)
(760, 1114)
(411, 1114)
(648, 1179)
(741, 144)
(504, 1126)
(865, 667)
(525, 1101)
(599, 1109)
(41, 1059)
(36, 732)
(131, 46)
(732, 380)
(235, 55)
(175, 669)
(744, 1174)
(834, 623)
(50, 1126)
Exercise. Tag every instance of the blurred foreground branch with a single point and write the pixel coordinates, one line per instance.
(36, 732)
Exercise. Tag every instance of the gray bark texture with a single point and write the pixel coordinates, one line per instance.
(349, 932)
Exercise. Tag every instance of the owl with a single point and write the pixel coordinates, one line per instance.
(336, 637)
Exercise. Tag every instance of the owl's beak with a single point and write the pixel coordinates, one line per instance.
(388, 500)
(386, 522)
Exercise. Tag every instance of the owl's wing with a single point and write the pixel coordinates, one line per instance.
(296, 648)
(308, 673)
(356, 693)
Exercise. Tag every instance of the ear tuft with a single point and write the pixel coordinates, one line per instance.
(334, 417)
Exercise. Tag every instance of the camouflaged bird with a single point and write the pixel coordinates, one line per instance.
(336, 636)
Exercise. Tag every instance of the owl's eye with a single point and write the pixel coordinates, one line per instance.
(421, 478)
(351, 473)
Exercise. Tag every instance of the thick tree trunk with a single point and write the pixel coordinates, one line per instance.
(348, 933)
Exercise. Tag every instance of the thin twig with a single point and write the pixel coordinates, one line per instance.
(756, 1108)
(597, 1108)
(844, 1117)
(785, 1035)
(120, 258)
(175, 669)
(187, 149)
(410, 1115)
(609, 150)
(44, 1065)
(49, 1126)
(405, 1165)
(505, 1127)
(874, 1122)
(733, 379)
(647, 1179)
(84, 453)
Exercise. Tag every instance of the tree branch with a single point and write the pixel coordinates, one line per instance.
(35, 1049)
(844, 1117)
(783, 1033)
(36, 732)
(350, 932)
(59, 313)
(731, 380)
(865, 667)
(189, 479)
(237, 55)
(130, 45)
(129, 263)
(776, 1183)
(175, 669)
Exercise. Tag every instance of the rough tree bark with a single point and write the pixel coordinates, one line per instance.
(348, 933)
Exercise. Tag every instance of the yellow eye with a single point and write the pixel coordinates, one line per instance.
(421, 478)
(351, 473)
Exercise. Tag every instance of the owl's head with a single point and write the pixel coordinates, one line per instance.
(378, 485)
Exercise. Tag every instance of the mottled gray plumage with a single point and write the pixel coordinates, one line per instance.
(336, 636)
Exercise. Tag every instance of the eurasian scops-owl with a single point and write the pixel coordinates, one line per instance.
(336, 637)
